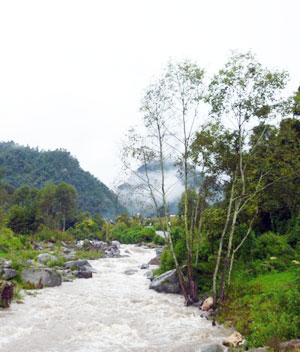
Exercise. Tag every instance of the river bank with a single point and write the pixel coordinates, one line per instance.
(110, 312)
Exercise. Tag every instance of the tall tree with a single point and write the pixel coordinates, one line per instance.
(65, 196)
(243, 93)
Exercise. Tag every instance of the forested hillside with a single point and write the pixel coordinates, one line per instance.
(24, 165)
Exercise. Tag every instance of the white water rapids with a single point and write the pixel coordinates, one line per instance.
(111, 312)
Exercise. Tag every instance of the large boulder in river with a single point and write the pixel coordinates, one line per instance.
(167, 282)
(80, 265)
(42, 277)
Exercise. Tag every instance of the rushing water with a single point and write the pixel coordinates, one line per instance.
(111, 312)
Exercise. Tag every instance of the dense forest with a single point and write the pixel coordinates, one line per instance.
(27, 166)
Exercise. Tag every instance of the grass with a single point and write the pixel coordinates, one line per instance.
(265, 308)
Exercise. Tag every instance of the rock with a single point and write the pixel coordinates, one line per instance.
(42, 277)
(130, 271)
(159, 251)
(70, 256)
(45, 257)
(148, 274)
(144, 266)
(290, 345)
(234, 340)
(6, 293)
(116, 244)
(80, 265)
(8, 273)
(4, 263)
(79, 244)
(37, 246)
(84, 274)
(208, 304)
(99, 245)
(66, 250)
(154, 261)
(212, 348)
(167, 282)
(30, 262)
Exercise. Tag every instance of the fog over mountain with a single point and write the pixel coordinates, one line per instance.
(135, 195)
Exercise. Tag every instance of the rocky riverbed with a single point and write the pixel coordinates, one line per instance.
(113, 311)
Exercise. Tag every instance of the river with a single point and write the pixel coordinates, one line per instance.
(111, 312)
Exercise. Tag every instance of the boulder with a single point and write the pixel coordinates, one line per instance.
(6, 293)
(167, 282)
(42, 277)
(154, 261)
(84, 274)
(116, 244)
(80, 265)
(8, 273)
(208, 304)
(144, 266)
(234, 340)
(45, 257)
(99, 245)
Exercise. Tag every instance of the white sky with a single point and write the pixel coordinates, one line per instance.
(72, 73)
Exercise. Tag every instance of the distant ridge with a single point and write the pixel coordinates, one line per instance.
(21, 165)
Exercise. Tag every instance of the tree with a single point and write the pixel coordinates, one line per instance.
(170, 109)
(65, 196)
(242, 93)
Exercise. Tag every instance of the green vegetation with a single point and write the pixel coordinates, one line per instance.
(27, 166)
(237, 233)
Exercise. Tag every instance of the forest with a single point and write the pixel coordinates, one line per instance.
(236, 236)
(21, 166)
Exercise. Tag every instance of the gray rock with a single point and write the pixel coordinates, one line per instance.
(148, 274)
(46, 277)
(30, 262)
(167, 282)
(80, 244)
(116, 244)
(100, 245)
(130, 271)
(8, 273)
(70, 256)
(66, 250)
(45, 257)
(5, 263)
(84, 274)
(80, 265)
(144, 266)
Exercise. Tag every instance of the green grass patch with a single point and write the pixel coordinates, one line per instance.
(264, 308)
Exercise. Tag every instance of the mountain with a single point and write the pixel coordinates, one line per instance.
(21, 165)
(134, 192)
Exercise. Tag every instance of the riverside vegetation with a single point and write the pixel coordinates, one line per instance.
(237, 233)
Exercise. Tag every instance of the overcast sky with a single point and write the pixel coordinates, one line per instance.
(72, 73)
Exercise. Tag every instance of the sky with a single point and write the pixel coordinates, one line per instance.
(72, 73)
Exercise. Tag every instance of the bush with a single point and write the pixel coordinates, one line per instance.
(9, 242)
(271, 245)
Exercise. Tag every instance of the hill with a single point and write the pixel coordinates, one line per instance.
(21, 165)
